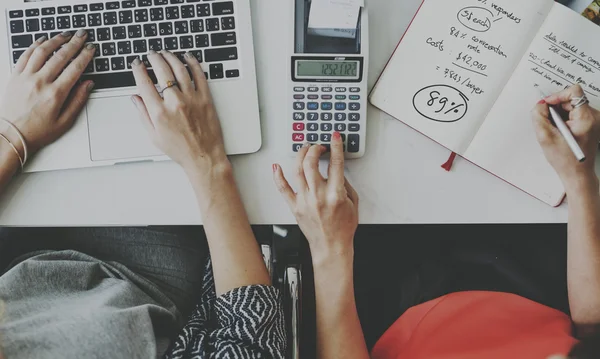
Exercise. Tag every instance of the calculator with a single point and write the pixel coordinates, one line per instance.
(328, 89)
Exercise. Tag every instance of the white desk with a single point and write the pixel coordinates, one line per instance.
(399, 179)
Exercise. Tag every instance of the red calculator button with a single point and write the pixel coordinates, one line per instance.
(298, 137)
(298, 126)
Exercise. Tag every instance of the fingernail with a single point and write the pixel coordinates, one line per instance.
(136, 62)
(90, 86)
(337, 135)
(81, 33)
(275, 167)
(188, 55)
(541, 102)
(151, 52)
(306, 145)
(66, 34)
(41, 39)
(90, 47)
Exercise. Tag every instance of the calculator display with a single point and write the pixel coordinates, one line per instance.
(316, 68)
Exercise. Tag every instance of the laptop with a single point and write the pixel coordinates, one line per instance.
(109, 130)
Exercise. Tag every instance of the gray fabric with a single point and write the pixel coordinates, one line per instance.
(126, 297)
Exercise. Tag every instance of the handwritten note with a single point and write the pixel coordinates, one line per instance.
(453, 63)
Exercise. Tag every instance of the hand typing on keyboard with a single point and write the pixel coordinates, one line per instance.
(44, 97)
(183, 123)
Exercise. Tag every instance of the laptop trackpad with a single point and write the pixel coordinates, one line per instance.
(116, 131)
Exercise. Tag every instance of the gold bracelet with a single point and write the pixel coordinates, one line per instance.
(14, 149)
(25, 157)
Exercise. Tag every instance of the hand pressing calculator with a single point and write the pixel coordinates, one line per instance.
(328, 89)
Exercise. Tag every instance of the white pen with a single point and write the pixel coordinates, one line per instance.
(565, 132)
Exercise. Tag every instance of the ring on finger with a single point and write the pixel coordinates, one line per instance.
(577, 102)
(170, 84)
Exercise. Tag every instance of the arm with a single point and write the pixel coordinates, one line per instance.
(43, 98)
(581, 184)
(185, 126)
(327, 212)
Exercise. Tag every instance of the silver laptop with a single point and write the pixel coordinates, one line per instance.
(109, 130)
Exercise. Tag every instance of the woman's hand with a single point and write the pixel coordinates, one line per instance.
(183, 124)
(326, 209)
(43, 97)
(584, 123)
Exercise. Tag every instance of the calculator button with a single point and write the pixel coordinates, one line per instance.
(326, 116)
(298, 126)
(326, 89)
(313, 89)
(354, 106)
(340, 89)
(325, 137)
(312, 127)
(355, 117)
(312, 106)
(326, 106)
(340, 106)
(312, 137)
(298, 116)
(327, 147)
(299, 97)
(296, 147)
(343, 138)
(313, 97)
(340, 116)
(299, 106)
(313, 116)
(340, 127)
(354, 127)
(354, 97)
(326, 127)
(298, 89)
(298, 137)
(354, 89)
(326, 97)
(353, 143)
(340, 97)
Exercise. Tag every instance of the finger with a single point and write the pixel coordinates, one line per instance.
(545, 132)
(311, 166)
(300, 177)
(75, 104)
(283, 186)
(24, 59)
(336, 162)
(163, 72)
(181, 73)
(145, 86)
(565, 95)
(144, 115)
(40, 55)
(73, 72)
(197, 73)
(57, 63)
(352, 194)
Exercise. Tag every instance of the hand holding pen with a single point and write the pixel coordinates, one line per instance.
(570, 146)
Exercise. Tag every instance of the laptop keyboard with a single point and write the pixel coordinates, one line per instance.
(126, 30)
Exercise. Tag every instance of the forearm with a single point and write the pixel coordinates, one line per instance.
(9, 164)
(339, 333)
(237, 260)
(584, 252)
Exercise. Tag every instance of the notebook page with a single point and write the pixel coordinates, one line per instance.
(564, 52)
(453, 62)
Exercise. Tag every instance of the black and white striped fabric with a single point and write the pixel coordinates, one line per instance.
(245, 323)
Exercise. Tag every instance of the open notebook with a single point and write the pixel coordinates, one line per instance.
(465, 75)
